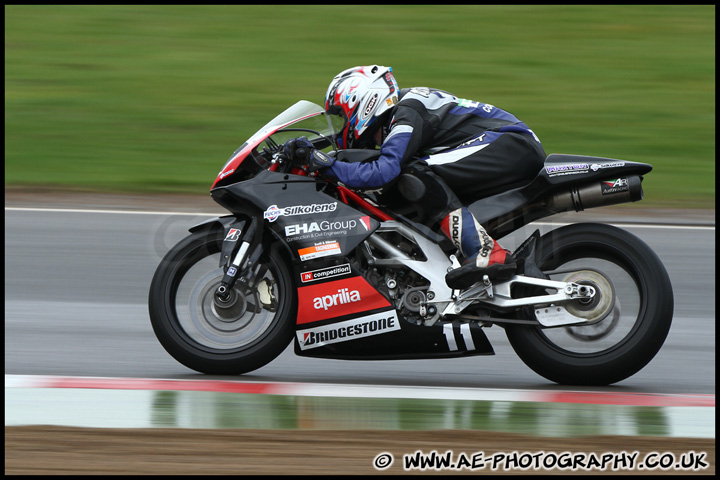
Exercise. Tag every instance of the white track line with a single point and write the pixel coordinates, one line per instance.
(206, 214)
(122, 212)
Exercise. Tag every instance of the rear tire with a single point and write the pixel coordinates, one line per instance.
(642, 295)
(222, 341)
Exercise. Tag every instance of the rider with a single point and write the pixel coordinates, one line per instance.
(481, 149)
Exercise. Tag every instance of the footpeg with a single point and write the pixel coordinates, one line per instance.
(479, 291)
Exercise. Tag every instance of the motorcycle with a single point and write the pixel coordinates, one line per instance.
(345, 275)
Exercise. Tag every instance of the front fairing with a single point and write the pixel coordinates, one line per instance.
(302, 119)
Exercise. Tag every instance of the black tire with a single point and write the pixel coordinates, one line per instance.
(640, 282)
(248, 337)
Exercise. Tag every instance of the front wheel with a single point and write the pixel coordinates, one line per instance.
(627, 321)
(224, 339)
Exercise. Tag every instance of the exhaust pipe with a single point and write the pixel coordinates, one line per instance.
(598, 194)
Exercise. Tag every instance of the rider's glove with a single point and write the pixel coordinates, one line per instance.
(298, 150)
(319, 159)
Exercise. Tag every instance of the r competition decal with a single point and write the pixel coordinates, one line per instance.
(324, 273)
(367, 326)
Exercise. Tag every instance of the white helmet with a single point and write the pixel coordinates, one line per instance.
(362, 95)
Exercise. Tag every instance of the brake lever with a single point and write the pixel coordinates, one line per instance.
(279, 157)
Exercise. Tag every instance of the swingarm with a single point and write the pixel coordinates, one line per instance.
(549, 308)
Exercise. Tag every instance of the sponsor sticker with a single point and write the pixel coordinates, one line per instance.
(367, 326)
(569, 169)
(326, 228)
(233, 235)
(597, 166)
(225, 174)
(608, 187)
(273, 212)
(371, 105)
(337, 298)
(320, 250)
(325, 273)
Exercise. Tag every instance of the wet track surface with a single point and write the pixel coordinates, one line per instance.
(76, 292)
(76, 285)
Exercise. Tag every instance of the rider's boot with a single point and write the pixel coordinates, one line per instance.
(484, 256)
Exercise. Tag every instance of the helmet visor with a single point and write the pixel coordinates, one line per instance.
(343, 136)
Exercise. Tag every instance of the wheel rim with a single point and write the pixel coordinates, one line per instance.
(232, 326)
(596, 309)
(612, 317)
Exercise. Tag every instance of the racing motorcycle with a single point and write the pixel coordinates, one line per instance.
(346, 275)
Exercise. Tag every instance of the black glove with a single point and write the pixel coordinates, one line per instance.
(298, 150)
(301, 152)
(319, 159)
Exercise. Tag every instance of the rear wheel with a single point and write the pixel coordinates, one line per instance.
(245, 332)
(627, 320)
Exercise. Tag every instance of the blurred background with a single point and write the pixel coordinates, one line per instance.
(136, 98)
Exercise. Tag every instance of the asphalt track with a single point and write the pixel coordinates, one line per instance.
(76, 286)
(76, 282)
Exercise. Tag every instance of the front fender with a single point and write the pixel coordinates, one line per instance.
(224, 222)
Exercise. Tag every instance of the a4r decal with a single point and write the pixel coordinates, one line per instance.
(337, 298)
(366, 326)
(614, 186)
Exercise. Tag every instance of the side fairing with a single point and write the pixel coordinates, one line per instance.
(340, 312)
(313, 224)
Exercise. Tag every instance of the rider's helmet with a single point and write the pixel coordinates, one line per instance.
(364, 96)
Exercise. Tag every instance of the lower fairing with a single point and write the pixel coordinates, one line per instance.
(384, 335)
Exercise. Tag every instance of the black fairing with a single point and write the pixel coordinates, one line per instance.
(442, 340)
(270, 193)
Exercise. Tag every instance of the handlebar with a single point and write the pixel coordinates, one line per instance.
(304, 161)
(280, 159)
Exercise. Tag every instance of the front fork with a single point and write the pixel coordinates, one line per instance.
(233, 255)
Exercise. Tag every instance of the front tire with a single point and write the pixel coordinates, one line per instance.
(220, 339)
(622, 341)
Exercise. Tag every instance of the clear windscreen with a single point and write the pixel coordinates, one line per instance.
(304, 119)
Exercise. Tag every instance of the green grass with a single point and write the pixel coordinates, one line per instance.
(155, 98)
